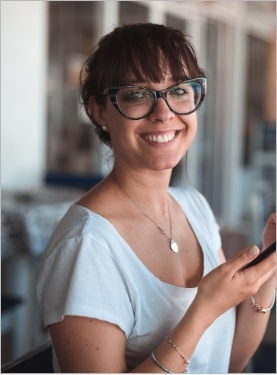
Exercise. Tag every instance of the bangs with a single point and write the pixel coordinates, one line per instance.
(147, 54)
(148, 66)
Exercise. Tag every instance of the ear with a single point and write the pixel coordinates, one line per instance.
(97, 112)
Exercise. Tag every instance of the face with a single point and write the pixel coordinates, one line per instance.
(157, 142)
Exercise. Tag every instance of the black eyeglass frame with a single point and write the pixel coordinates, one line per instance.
(112, 91)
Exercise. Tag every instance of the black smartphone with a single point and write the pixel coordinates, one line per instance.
(261, 256)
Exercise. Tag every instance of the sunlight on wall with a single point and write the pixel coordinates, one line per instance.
(23, 77)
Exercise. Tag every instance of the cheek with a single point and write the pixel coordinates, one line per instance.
(188, 136)
(191, 127)
(120, 127)
(121, 131)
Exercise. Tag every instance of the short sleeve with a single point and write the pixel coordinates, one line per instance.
(81, 278)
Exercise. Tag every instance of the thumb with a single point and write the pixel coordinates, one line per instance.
(247, 255)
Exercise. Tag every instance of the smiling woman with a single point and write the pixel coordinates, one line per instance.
(134, 278)
(111, 67)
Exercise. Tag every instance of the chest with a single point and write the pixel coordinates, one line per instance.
(152, 247)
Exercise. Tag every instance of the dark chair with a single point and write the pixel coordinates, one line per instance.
(36, 361)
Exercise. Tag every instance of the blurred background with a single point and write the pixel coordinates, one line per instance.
(50, 154)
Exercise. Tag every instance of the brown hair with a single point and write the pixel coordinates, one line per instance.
(143, 50)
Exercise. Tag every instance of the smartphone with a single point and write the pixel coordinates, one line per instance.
(261, 256)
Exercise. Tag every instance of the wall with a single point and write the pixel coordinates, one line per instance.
(23, 87)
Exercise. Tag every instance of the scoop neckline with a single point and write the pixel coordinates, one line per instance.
(133, 253)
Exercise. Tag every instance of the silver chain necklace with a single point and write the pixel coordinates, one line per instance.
(172, 244)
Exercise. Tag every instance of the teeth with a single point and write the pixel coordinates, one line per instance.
(159, 138)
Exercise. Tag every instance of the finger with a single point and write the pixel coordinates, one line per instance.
(269, 234)
(263, 255)
(244, 257)
(265, 271)
(267, 265)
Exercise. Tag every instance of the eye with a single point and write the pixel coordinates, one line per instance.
(134, 95)
(178, 91)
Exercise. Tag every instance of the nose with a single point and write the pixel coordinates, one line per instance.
(161, 111)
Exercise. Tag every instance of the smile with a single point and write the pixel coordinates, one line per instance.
(159, 138)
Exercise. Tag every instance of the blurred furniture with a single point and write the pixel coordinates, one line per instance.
(28, 220)
(36, 361)
(8, 305)
(9, 308)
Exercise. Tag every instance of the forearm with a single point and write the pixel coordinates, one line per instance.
(186, 336)
(251, 325)
(250, 329)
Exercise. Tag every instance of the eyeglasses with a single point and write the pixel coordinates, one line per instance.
(136, 102)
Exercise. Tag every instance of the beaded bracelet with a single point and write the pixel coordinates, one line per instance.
(261, 309)
(162, 367)
(187, 361)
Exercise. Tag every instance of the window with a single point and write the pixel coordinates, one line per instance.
(73, 31)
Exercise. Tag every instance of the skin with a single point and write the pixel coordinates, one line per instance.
(144, 169)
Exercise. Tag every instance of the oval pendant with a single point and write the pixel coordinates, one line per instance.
(174, 246)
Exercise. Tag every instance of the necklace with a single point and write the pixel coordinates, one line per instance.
(172, 244)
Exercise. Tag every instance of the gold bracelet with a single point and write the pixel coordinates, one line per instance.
(261, 309)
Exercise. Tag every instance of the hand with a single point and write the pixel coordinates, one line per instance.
(227, 285)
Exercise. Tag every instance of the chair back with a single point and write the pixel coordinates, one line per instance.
(36, 361)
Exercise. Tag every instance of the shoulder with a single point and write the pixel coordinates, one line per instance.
(83, 250)
(79, 229)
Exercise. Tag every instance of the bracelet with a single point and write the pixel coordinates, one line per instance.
(162, 367)
(187, 361)
(261, 309)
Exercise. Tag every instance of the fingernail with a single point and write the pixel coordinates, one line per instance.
(253, 251)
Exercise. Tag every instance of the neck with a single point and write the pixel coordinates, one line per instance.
(147, 189)
(168, 234)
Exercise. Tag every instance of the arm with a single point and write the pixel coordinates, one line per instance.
(251, 325)
(250, 329)
(90, 345)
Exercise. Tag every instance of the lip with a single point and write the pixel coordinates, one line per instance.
(160, 138)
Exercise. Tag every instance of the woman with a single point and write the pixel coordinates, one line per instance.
(134, 278)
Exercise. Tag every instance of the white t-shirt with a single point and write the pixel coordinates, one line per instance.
(89, 270)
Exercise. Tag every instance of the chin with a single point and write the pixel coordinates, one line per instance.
(162, 165)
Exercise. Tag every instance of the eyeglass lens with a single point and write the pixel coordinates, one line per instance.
(137, 102)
